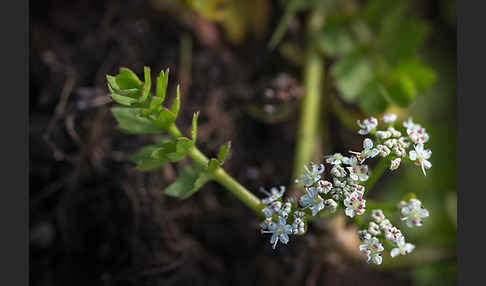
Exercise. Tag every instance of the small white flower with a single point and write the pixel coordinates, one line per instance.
(403, 248)
(384, 151)
(312, 200)
(384, 224)
(416, 132)
(331, 204)
(421, 156)
(373, 228)
(358, 171)
(394, 133)
(363, 235)
(377, 215)
(274, 194)
(393, 233)
(390, 143)
(355, 204)
(285, 210)
(325, 186)
(402, 204)
(399, 150)
(403, 142)
(368, 151)
(414, 212)
(280, 231)
(272, 209)
(337, 159)
(372, 248)
(383, 134)
(338, 183)
(311, 176)
(298, 226)
(367, 126)
(338, 171)
(389, 118)
(395, 164)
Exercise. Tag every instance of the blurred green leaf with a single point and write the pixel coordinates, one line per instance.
(421, 75)
(372, 99)
(335, 40)
(291, 9)
(401, 90)
(352, 74)
(130, 121)
(400, 38)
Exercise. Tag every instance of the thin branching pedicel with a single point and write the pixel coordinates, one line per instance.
(395, 145)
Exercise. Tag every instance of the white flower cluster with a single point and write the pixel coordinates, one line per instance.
(281, 218)
(378, 229)
(391, 143)
(347, 174)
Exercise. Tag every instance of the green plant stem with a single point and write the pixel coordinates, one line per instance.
(309, 114)
(223, 178)
(377, 173)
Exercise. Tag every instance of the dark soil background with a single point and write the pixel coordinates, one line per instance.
(94, 220)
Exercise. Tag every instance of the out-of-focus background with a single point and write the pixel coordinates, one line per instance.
(95, 220)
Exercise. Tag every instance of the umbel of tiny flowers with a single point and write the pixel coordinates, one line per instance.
(355, 204)
(372, 248)
(414, 212)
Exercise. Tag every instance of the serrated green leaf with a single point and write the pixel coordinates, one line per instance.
(145, 161)
(161, 88)
(147, 84)
(352, 74)
(184, 185)
(127, 79)
(194, 127)
(130, 121)
(183, 145)
(213, 164)
(401, 90)
(421, 75)
(123, 100)
(223, 152)
(165, 118)
(189, 182)
(112, 85)
(176, 104)
(372, 99)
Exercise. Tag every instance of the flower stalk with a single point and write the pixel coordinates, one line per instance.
(220, 176)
